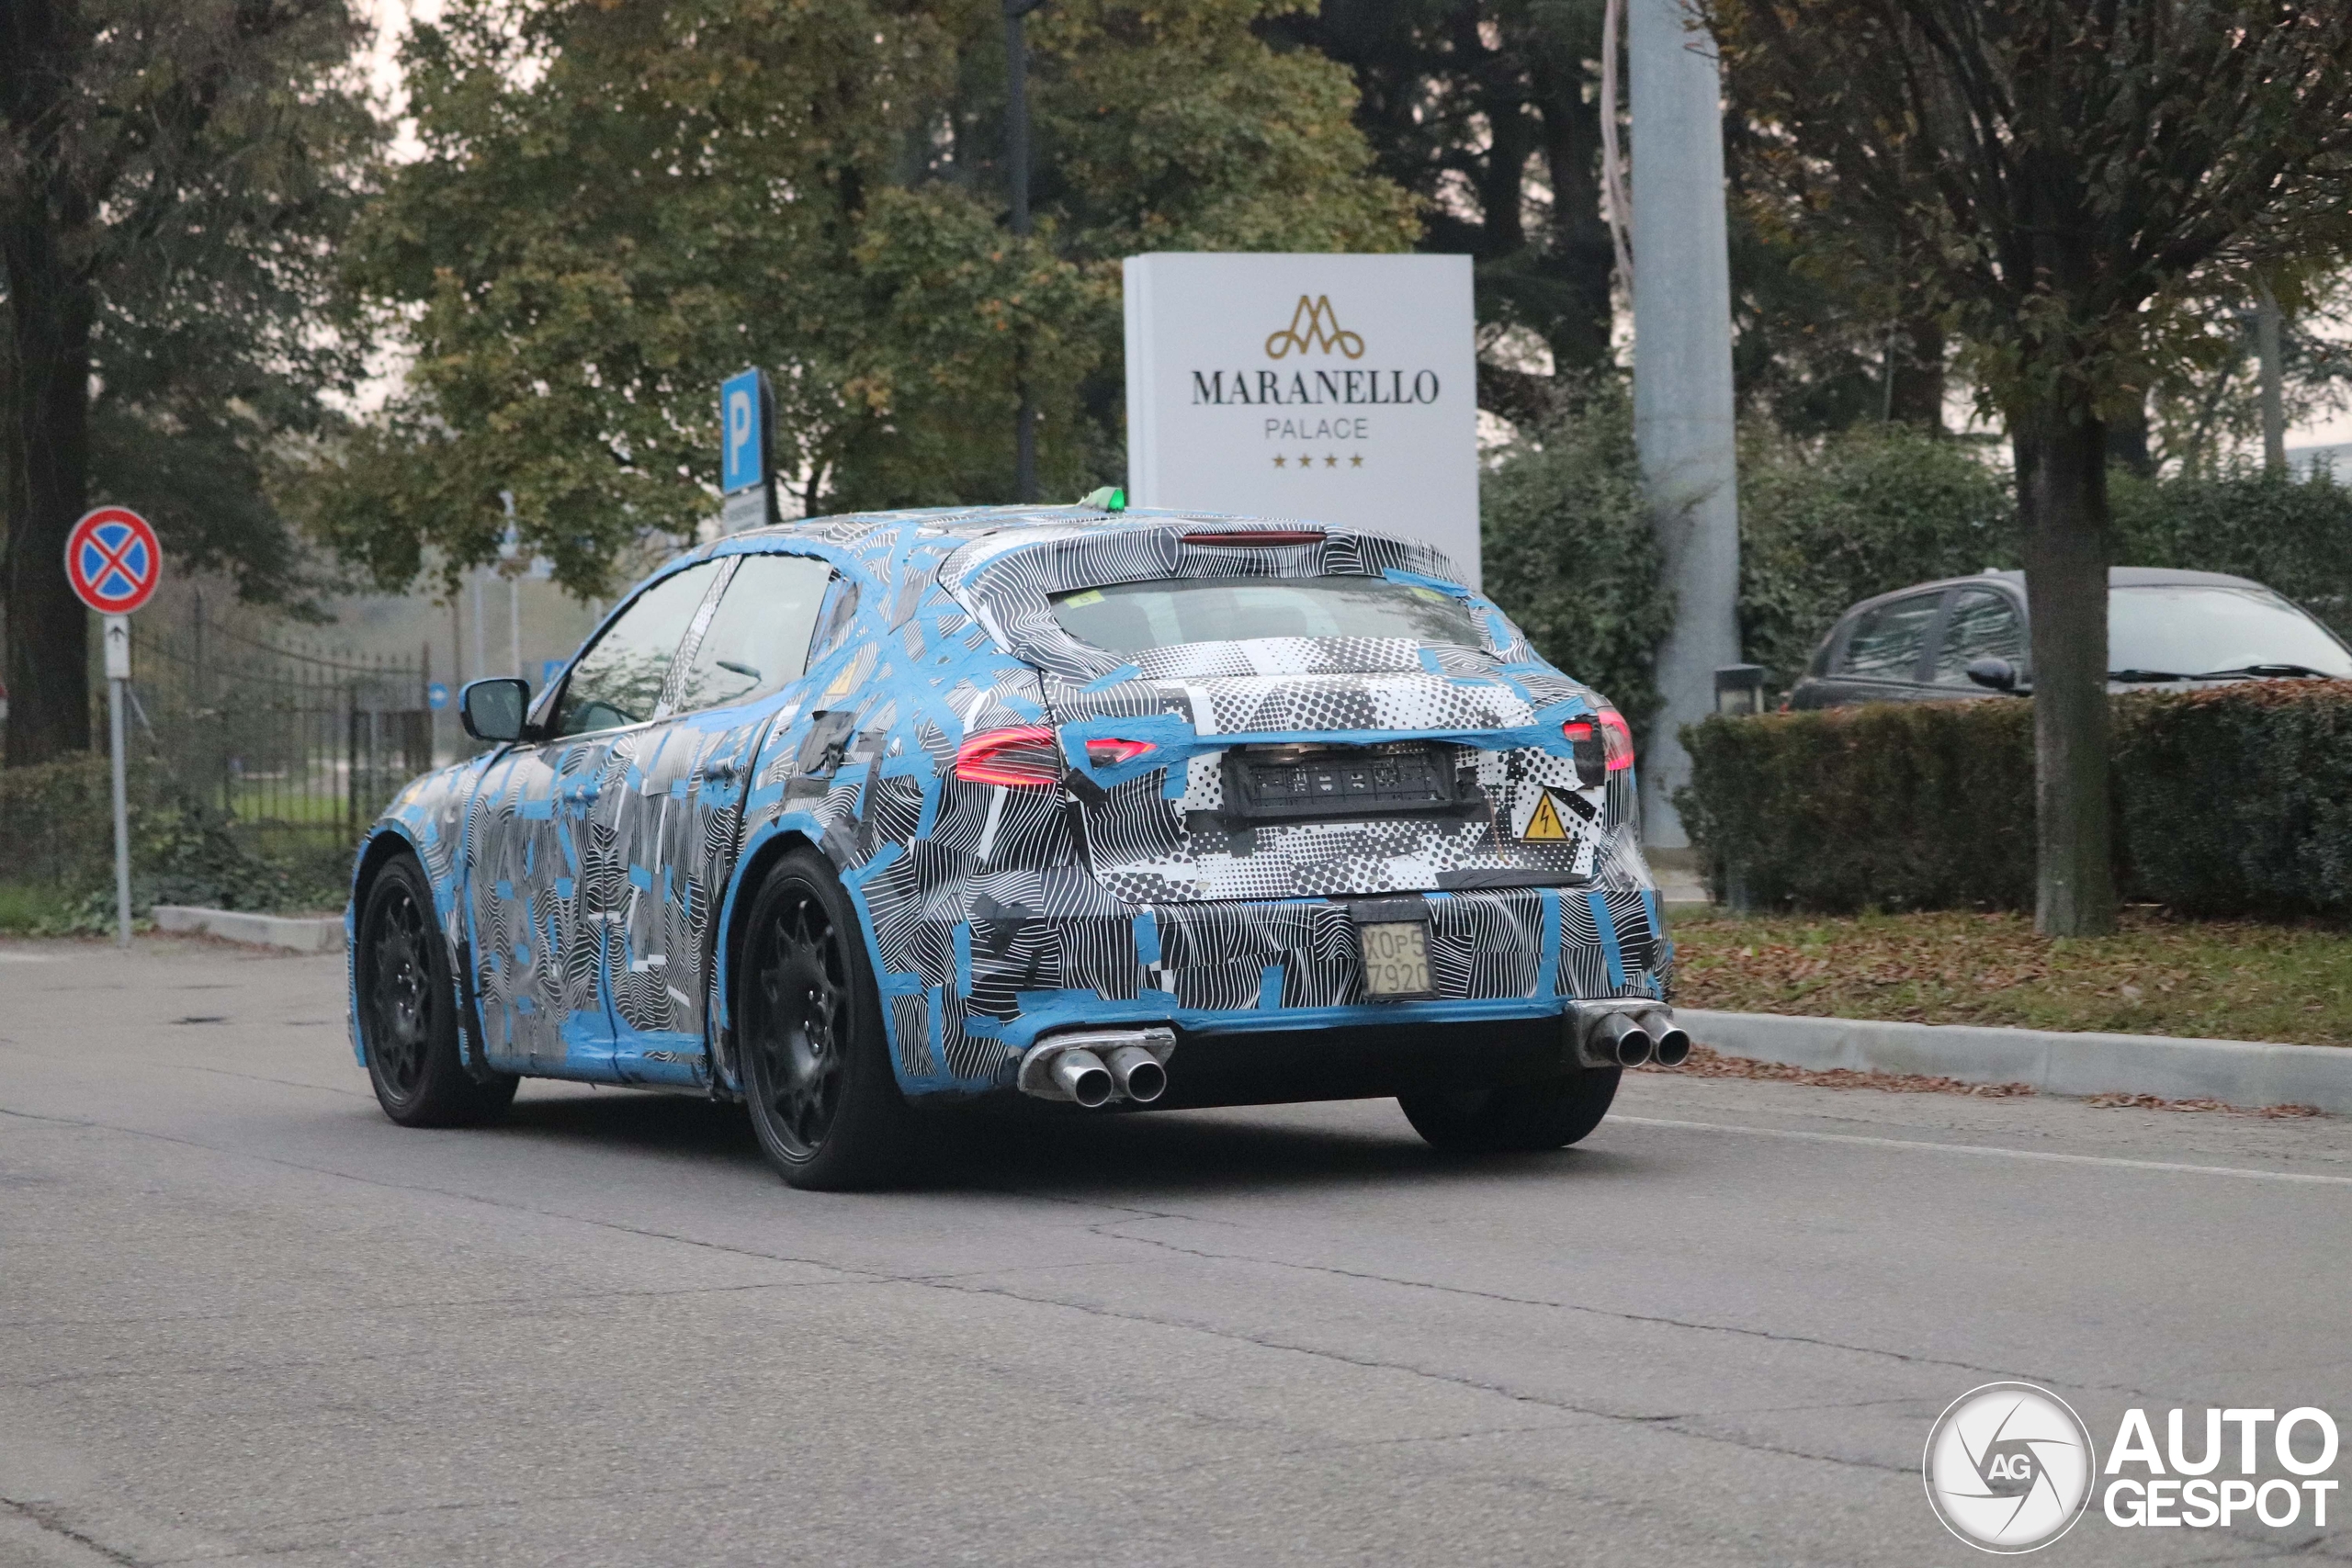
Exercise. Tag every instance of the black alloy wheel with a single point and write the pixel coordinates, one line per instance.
(804, 997)
(817, 1073)
(399, 992)
(408, 1016)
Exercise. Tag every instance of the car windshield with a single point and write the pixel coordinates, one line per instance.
(2187, 630)
(1129, 617)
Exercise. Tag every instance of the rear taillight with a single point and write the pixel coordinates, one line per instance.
(1111, 753)
(1602, 744)
(1024, 757)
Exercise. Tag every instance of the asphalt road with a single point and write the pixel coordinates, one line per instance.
(242, 1317)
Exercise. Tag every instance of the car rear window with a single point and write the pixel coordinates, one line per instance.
(1129, 617)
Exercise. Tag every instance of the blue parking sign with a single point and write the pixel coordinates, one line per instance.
(744, 434)
(436, 696)
(550, 672)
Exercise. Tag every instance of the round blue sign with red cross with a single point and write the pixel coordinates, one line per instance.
(112, 560)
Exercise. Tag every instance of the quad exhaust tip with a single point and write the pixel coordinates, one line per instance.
(1082, 1076)
(1092, 1067)
(1138, 1074)
(1627, 1033)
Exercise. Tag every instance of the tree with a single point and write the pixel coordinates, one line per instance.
(1487, 111)
(172, 174)
(2068, 178)
(622, 201)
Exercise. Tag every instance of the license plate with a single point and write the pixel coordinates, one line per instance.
(1280, 783)
(1396, 958)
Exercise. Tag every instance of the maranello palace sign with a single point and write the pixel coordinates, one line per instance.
(1334, 388)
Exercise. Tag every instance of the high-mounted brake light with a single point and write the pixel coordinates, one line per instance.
(1111, 753)
(1257, 536)
(1604, 739)
(1024, 757)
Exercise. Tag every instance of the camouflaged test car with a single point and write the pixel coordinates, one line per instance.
(864, 816)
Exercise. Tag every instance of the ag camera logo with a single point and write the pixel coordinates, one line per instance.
(2009, 1466)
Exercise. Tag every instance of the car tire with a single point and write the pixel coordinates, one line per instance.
(1548, 1115)
(817, 1074)
(405, 1000)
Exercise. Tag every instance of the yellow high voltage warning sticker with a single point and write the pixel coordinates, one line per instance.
(1545, 823)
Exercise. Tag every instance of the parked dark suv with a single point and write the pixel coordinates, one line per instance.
(1966, 637)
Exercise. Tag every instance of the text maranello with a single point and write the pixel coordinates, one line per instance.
(1313, 388)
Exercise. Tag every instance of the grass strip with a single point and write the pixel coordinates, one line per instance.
(2217, 979)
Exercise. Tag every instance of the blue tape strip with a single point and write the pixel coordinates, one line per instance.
(1608, 925)
(1547, 964)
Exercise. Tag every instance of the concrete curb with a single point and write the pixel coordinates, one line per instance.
(310, 935)
(2236, 1071)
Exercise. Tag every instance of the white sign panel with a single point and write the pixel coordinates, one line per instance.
(1332, 388)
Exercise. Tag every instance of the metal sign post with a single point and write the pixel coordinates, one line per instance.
(114, 563)
(117, 645)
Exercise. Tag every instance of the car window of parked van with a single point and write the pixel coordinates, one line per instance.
(1886, 642)
(757, 641)
(1984, 624)
(620, 679)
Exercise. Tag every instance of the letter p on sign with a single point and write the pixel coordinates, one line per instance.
(743, 448)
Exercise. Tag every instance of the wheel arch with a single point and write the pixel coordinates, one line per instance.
(770, 845)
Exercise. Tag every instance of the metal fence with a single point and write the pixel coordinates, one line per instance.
(302, 745)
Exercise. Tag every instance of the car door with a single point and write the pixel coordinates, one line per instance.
(1883, 655)
(1980, 623)
(678, 814)
(541, 879)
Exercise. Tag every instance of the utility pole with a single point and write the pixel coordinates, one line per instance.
(2268, 346)
(1682, 393)
(510, 564)
(1016, 128)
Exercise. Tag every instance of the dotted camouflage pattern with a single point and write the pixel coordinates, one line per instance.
(584, 885)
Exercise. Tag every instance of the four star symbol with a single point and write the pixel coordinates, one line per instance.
(1331, 460)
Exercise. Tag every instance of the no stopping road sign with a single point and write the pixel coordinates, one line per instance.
(113, 560)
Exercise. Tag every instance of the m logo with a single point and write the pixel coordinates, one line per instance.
(1313, 325)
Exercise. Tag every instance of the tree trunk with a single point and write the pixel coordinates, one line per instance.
(2062, 495)
(45, 466)
(1916, 382)
(45, 396)
(2127, 441)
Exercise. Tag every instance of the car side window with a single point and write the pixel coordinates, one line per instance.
(620, 679)
(757, 641)
(1886, 642)
(1984, 624)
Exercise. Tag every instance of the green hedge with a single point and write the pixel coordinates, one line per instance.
(2231, 801)
(1569, 552)
(2239, 800)
(60, 820)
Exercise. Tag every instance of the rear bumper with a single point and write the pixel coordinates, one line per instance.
(1271, 979)
(1362, 1060)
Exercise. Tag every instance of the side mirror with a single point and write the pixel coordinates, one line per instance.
(1996, 674)
(493, 709)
